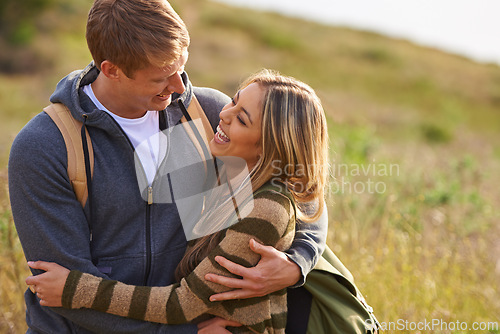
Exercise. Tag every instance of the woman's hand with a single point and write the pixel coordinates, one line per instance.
(48, 286)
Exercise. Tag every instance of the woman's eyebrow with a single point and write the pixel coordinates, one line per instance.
(248, 115)
(244, 110)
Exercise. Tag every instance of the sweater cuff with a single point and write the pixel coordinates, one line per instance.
(70, 288)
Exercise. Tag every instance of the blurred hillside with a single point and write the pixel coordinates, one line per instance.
(427, 236)
(402, 90)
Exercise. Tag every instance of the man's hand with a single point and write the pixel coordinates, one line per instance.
(216, 326)
(275, 271)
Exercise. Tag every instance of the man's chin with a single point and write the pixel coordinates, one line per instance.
(161, 105)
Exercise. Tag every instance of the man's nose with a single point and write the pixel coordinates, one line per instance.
(175, 84)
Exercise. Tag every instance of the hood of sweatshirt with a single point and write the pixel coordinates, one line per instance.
(70, 93)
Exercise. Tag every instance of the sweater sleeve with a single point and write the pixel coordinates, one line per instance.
(271, 222)
(309, 244)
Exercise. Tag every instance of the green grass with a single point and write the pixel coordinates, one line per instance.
(426, 247)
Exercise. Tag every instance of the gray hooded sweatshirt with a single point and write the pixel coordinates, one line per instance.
(128, 239)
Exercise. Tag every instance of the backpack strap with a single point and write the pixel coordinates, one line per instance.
(198, 128)
(196, 111)
(70, 129)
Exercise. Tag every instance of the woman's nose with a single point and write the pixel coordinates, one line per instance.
(225, 114)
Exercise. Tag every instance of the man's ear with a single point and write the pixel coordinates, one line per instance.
(110, 70)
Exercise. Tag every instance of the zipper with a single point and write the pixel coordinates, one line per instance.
(150, 195)
(147, 269)
(148, 235)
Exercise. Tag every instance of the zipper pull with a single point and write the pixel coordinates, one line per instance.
(150, 195)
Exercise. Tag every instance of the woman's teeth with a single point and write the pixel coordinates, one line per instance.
(221, 135)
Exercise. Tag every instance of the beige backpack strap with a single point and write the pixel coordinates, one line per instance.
(202, 124)
(196, 111)
(71, 131)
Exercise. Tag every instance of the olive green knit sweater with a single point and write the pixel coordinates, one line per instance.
(271, 222)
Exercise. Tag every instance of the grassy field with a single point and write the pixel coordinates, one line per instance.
(415, 140)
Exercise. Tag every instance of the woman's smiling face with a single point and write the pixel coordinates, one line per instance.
(239, 130)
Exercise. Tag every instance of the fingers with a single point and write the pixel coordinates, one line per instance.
(232, 267)
(234, 294)
(31, 280)
(244, 288)
(229, 282)
(43, 302)
(35, 283)
(37, 279)
(32, 284)
(226, 323)
(42, 265)
(260, 248)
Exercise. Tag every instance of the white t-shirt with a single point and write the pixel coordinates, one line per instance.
(144, 134)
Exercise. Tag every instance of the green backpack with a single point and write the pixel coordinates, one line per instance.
(337, 307)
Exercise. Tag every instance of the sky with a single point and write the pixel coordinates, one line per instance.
(467, 27)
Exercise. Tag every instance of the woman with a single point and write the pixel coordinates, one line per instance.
(277, 125)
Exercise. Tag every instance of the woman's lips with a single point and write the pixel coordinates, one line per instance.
(220, 136)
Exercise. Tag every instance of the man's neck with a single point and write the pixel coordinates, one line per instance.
(106, 94)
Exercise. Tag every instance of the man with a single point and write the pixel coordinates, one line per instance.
(139, 48)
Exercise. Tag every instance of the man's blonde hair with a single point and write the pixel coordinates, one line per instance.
(133, 34)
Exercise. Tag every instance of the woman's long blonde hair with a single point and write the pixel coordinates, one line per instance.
(294, 139)
(294, 147)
